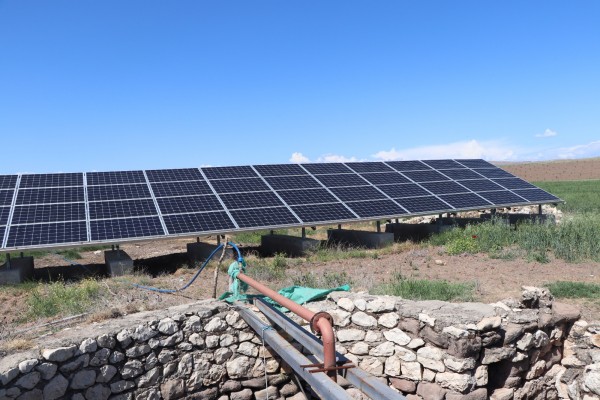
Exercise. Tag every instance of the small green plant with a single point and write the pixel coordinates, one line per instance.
(334, 279)
(461, 245)
(308, 280)
(270, 270)
(574, 290)
(62, 298)
(420, 289)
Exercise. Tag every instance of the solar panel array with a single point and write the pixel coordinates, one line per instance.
(44, 210)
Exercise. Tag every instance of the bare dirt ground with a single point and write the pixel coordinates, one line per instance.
(562, 170)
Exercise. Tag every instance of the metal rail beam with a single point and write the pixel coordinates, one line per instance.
(319, 381)
(362, 380)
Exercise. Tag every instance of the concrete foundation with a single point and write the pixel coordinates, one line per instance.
(118, 263)
(369, 240)
(198, 252)
(292, 246)
(17, 270)
(414, 232)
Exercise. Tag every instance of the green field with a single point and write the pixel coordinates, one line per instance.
(580, 196)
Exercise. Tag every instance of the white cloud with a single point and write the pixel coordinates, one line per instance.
(298, 157)
(547, 133)
(490, 150)
(591, 149)
(335, 158)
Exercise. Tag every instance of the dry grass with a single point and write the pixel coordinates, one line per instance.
(18, 345)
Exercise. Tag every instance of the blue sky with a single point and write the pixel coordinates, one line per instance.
(111, 85)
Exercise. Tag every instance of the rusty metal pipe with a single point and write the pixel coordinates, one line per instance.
(321, 322)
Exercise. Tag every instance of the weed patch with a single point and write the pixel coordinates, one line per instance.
(62, 298)
(574, 290)
(419, 289)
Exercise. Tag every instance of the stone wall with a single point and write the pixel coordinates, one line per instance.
(199, 351)
(531, 348)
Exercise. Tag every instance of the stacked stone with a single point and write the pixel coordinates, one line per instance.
(208, 354)
(435, 350)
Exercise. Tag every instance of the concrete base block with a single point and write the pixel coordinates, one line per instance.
(118, 263)
(414, 232)
(19, 271)
(369, 240)
(198, 252)
(292, 246)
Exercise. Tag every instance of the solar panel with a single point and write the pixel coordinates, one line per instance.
(50, 195)
(308, 196)
(378, 208)
(189, 188)
(198, 222)
(292, 182)
(51, 180)
(251, 200)
(320, 213)
(385, 178)
(49, 213)
(6, 197)
(110, 229)
(122, 209)
(46, 234)
(264, 217)
(229, 172)
(326, 168)
(115, 178)
(112, 207)
(8, 181)
(188, 204)
(174, 175)
(117, 192)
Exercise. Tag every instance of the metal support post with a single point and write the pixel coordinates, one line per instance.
(8, 260)
(378, 226)
(303, 232)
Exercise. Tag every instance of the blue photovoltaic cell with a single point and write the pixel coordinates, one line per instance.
(378, 208)
(307, 196)
(171, 189)
(8, 181)
(475, 163)
(493, 173)
(188, 204)
(358, 193)
(425, 176)
(341, 180)
(47, 234)
(115, 178)
(502, 197)
(51, 180)
(173, 175)
(404, 190)
(385, 178)
(48, 213)
(444, 187)
(251, 200)
(442, 164)
(280, 169)
(514, 183)
(108, 229)
(480, 185)
(408, 165)
(317, 213)
(50, 195)
(6, 197)
(363, 167)
(117, 192)
(239, 185)
(229, 172)
(264, 217)
(198, 222)
(423, 204)
(465, 200)
(326, 168)
(122, 209)
(457, 174)
(4, 211)
(292, 182)
(535, 195)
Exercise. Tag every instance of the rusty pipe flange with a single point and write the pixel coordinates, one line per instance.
(313, 321)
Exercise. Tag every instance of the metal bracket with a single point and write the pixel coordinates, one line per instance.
(320, 367)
